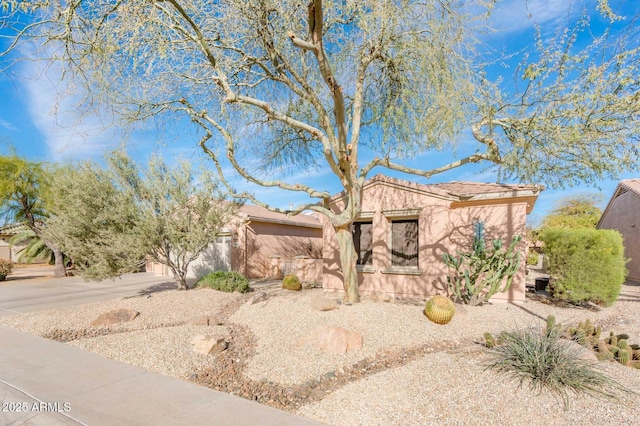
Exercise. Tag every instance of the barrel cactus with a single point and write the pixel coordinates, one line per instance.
(623, 356)
(291, 282)
(439, 309)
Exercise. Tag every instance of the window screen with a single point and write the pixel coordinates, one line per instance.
(404, 243)
(363, 240)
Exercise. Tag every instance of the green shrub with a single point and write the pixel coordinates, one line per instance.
(532, 258)
(585, 264)
(6, 266)
(225, 281)
(547, 362)
(291, 282)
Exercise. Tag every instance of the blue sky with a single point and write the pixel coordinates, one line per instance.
(29, 123)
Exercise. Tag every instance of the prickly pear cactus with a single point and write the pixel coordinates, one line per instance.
(439, 309)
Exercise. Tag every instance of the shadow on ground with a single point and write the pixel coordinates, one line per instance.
(167, 285)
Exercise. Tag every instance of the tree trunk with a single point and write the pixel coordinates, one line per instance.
(182, 283)
(60, 270)
(348, 260)
(180, 276)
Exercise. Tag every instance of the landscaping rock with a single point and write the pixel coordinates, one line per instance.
(583, 353)
(337, 339)
(208, 345)
(323, 304)
(202, 320)
(384, 297)
(379, 297)
(257, 298)
(114, 317)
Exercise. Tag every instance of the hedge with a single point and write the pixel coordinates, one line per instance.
(585, 264)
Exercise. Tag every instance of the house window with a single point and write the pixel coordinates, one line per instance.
(363, 240)
(404, 243)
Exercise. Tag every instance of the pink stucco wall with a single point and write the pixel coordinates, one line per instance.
(443, 227)
(622, 215)
(307, 269)
(254, 243)
(261, 241)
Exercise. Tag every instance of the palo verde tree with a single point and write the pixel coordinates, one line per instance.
(24, 191)
(111, 219)
(577, 211)
(350, 85)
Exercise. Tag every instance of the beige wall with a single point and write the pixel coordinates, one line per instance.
(441, 230)
(5, 251)
(8, 252)
(623, 214)
(264, 240)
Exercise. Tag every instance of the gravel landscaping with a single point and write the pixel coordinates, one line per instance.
(409, 371)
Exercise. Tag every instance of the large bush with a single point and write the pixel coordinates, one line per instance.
(225, 281)
(585, 264)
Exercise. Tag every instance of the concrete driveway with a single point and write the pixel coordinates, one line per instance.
(33, 288)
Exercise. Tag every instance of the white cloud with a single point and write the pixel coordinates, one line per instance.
(52, 106)
(7, 125)
(517, 15)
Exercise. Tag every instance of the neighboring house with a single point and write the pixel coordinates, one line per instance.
(6, 233)
(260, 243)
(405, 227)
(623, 214)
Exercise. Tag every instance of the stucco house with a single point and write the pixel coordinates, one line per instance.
(623, 214)
(260, 243)
(6, 250)
(405, 227)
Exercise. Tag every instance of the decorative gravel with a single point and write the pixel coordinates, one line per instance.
(167, 308)
(410, 371)
(454, 388)
(284, 326)
(166, 351)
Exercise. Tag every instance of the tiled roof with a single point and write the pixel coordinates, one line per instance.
(464, 189)
(632, 185)
(258, 213)
(12, 229)
(460, 190)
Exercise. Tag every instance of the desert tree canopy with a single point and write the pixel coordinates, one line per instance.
(576, 211)
(352, 85)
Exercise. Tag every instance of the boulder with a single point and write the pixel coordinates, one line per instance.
(337, 340)
(257, 298)
(323, 304)
(208, 345)
(582, 352)
(115, 317)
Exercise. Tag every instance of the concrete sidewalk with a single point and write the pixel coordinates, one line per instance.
(43, 382)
